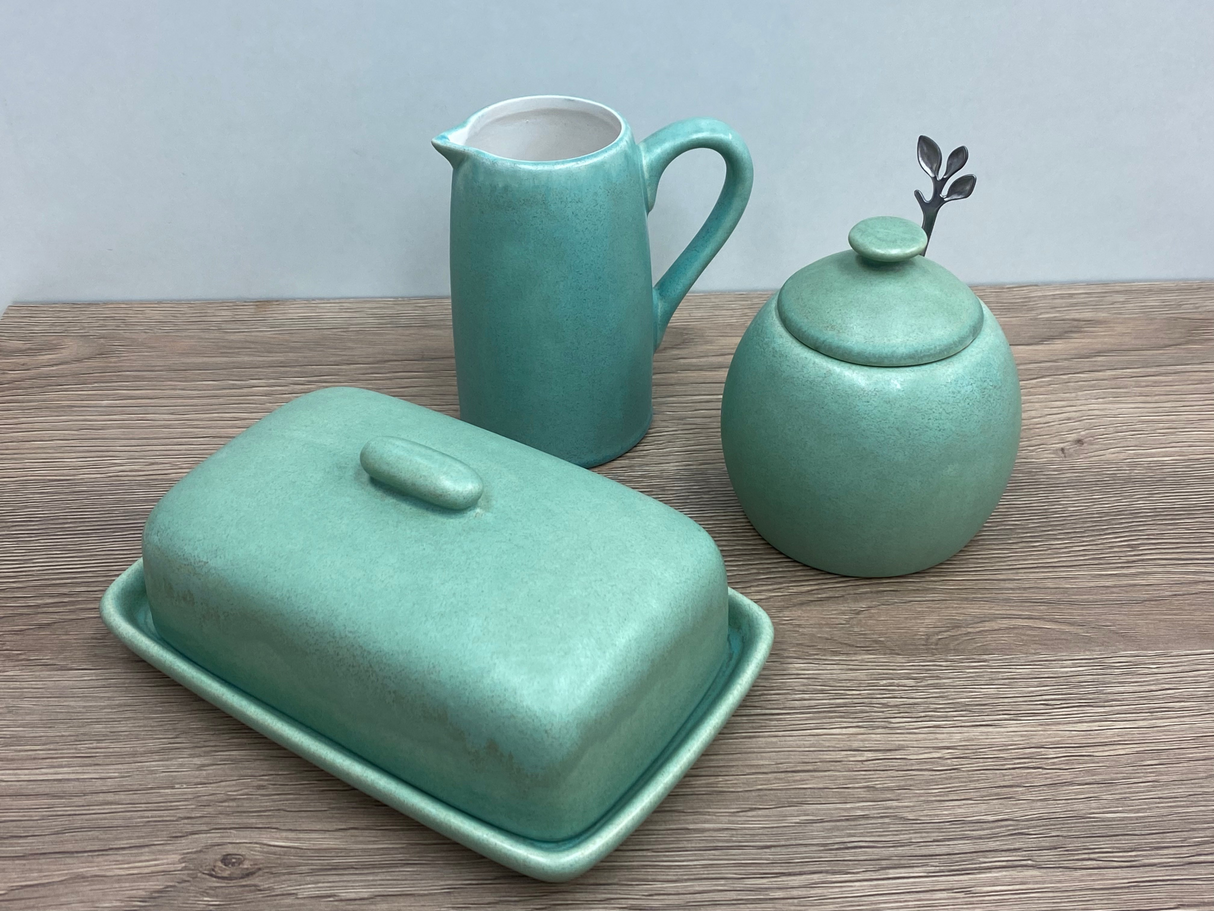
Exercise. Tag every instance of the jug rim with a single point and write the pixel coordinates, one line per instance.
(462, 134)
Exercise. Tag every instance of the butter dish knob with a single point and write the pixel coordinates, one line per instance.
(419, 471)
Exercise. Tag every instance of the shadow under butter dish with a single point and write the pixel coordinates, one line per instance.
(523, 659)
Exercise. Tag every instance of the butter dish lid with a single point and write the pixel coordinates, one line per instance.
(881, 303)
(506, 631)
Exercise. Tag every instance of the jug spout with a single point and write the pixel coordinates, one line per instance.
(455, 152)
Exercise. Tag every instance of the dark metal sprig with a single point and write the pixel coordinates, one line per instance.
(930, 159)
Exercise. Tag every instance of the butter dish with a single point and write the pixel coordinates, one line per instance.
(515, 651)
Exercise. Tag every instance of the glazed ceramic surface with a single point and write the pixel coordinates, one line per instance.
(871, 414)
(126, 613)
(516, 637)
(553, 309)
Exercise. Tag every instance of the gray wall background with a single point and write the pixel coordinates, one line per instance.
(202, 150)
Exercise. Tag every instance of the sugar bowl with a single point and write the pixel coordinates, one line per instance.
(871, 415)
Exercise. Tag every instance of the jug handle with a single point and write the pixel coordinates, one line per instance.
(658, 151)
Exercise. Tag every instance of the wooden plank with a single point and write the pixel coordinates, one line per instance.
(1031, 582)
(869, 782)
(1029, 725)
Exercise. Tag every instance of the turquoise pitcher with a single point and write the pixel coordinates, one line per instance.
(553, 312)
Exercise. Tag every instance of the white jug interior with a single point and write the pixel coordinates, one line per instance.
(541, 128)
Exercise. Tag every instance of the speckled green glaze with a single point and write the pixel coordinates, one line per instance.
(869, 470)
(881, 304)
(554, 313)
(885, 239)
(126, 613)
(513, 635)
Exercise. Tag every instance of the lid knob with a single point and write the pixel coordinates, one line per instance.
(419, 471)
(887, 239)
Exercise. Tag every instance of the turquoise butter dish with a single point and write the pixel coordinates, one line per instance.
(515, 651)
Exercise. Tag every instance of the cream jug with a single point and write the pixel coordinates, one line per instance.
(553, 310)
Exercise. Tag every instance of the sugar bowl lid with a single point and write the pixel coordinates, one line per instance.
(881, 304)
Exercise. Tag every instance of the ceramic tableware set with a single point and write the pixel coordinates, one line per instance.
(456, 618)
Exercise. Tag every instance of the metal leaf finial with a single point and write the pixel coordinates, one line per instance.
(930, 160)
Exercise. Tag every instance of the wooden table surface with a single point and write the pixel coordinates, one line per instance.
(1029, 725)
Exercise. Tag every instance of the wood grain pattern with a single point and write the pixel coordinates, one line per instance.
(1028, 726)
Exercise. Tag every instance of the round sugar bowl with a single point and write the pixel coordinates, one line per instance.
(871, 415)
